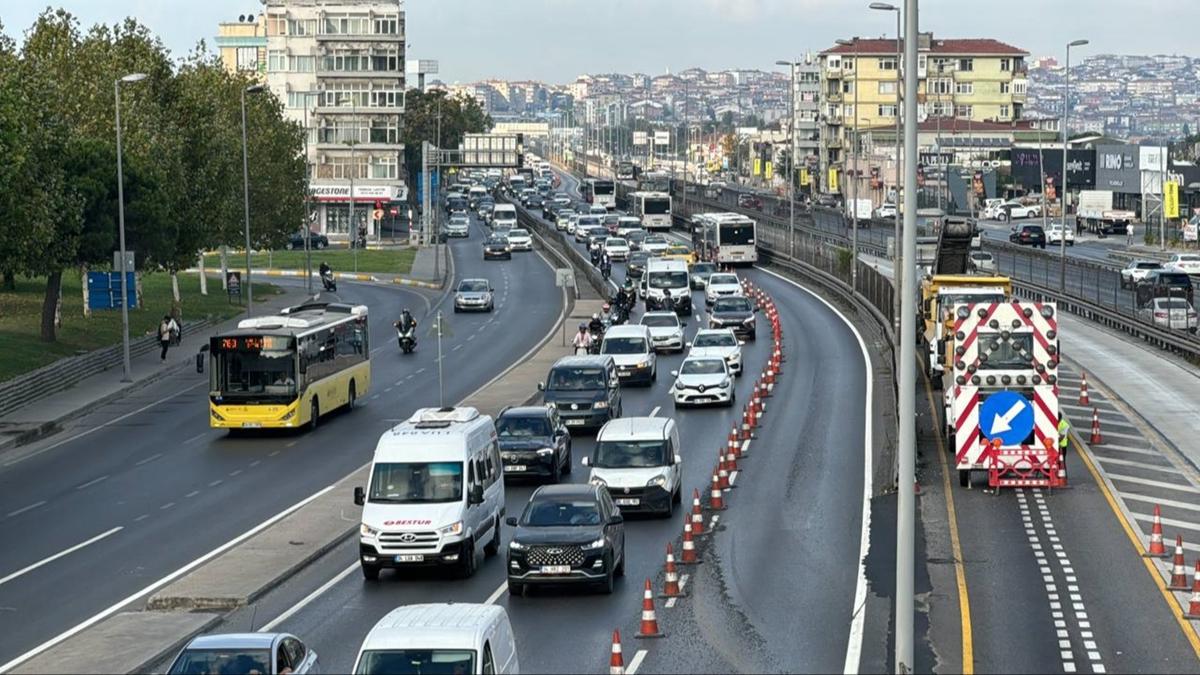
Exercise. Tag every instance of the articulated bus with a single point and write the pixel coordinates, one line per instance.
(654, 208)
(726, 238)
(286, 370)
(600, 191)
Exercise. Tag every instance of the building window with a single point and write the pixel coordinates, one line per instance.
(277, 24)
(887, 87)
(384, 131)
(942, 65)
(966, 65)
(337, 217)
(940, 85)
(848, 63)
(1004, 111)
(1019, 87)
(849, 112)
(846, 87)
(963, 111)
(342, 168)
(1004, 88)
(247, 58)
(921, 62)
(296, 99)
(887, 110)
(384, 167)
(888, 63)
(1006, 64)
(387, 25)
(276, 61)
(302, 64)
(964, 87)
(938, 108)
(346, 25)
(302, 27)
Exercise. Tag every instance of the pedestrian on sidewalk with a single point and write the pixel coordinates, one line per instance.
(166, 329)
(1129, 234)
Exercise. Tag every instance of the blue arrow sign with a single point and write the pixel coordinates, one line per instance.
(1008, 416)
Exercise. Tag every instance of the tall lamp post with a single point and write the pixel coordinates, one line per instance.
(792, 163)
(898, 267)
(125, 368)
(1062, 242)
(252, 89)
(854, 141)
(307, 197)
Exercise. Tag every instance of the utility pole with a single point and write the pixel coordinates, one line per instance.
(1062, 245)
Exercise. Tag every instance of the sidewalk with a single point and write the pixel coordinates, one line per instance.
(49, 415)
(427, 272)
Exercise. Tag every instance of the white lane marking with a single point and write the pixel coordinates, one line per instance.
(655, 411)
(149, 459)
(456, 348)
(291, 611)
(419, 371)
(1153, 483)
(166, 506)
(141, 517)
(45, 561)
(191, 494)
(23, 509)
(255, 463)
(1125, 448)
(235, 472)
(636, 662)
(273, 453)
(496, 594)
(1151, 499)
(858, 609)
(109, 423)
(195, 438)
(92, 482)
(113, 609)
(1146, 466)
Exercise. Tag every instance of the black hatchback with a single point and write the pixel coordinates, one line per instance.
(736, 312)
(533, 442)
(1028, 235)
(567, 534)
(497, 247)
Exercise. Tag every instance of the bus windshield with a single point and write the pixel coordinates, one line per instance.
(603, 187)
(740, 234)
(256, 374)
(656, 206)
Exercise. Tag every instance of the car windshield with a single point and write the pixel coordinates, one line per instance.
(575, 379)
(560, 512)
(616, 242)
(1174, 279)
(703, 268)
(660, 320)
(518, 232)
(473, 286)
(201, 661)
(702, 367)
(715, 340)
(629, 454)
(655, 239)
(734, 304)
(416, 661)
(624, 345)
(1010, 354)
(947, 301)
(522, 426)
(416, 482)
(255, 373)
(1188, 258)
(588, 221)
(497, 241)
(668, 279)
(719, 279)
(1146, 265)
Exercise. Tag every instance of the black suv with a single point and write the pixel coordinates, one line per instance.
(736, 312)
(567, 534)
(585, 390)
(296, 241)
(1033, 235)
(1163, 284)
(533, 442)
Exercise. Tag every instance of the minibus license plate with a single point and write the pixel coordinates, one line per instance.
(556, 569)
(575, 423)
(631, 501)
(514, 467)
(410, 557)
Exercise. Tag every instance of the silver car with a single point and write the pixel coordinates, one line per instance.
(474, 295)
(245, 653)
(666, 331)
(458, 226)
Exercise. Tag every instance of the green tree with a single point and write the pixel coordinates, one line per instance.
(459, 115)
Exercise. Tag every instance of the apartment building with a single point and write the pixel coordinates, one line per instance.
(338, 66)
(806, 79)
(242, 44)
(966, 79)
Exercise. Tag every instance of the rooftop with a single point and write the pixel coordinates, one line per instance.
(955, 46)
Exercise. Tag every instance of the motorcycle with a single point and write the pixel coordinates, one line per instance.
(329, 282)
(605, 269)
(406, 339)
(595, 256)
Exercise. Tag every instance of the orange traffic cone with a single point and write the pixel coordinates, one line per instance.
(671, 585)
(649, 627)
(1096, 439)
(730, 463)
(734, 446)
(688, 556)
(1156, 548)
(1194, 604)
(721, 473)
(715, 497)
(697, 514)
(1178, 568)
(1083, 392)
(616, 662)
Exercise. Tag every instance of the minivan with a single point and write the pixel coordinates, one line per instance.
(664, 274)
(632, 348)
(504, 217)
(436, 493)
(453, 637)
(585, 389)
(638, 459)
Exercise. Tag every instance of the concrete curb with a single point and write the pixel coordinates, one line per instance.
(345, 276)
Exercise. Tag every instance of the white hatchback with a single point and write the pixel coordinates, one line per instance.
(703, 380)
(719, 285)
(616, 248)
(719, 342)
(1188, 263)
(1054, 234)
(666, 331)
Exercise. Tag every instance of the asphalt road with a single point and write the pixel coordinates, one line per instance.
(804, 482)
(168, 489)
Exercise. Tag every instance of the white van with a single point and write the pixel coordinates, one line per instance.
(639, 460)
(668, 274)
(632, 349)
(436, 493)
(504, 217)
(440, 638)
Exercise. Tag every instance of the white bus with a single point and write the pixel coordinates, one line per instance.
(727, 238)
(600, 192)
(654, 208)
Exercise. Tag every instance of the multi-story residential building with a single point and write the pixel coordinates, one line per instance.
(806, 106)
(338, 66)
(242, 44)
(968, 79)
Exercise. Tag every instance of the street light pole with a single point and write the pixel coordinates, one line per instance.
(307, 200)
(252, 89)
(898, 267)
(125, 366)
(1062, 242)
(792, 163)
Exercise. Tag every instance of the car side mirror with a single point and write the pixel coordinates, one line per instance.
(741, 343)
(541, 386)
(511, 521)
(586, 461)
(616, 519)
(360, 496)
(679, 459)
(476, 496)
(674, 373)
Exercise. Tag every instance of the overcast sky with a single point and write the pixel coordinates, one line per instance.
(556, 40)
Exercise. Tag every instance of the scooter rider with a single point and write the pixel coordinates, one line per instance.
(606, 314)
(596, 326)
(583, 340)
(605, 264)
(407, 325)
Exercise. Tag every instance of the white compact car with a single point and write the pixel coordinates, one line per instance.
(721, 284)
(718, 342)
(1054, 235)
(1188, 263)
(616, 248)
(458, 226)
(1018, 210)
(703, 380)
(627, 224)
(520, 239)
(1136, 271)
(655, 244)
(666, 331)
(632, 349)
(453, 637)
(639, 461)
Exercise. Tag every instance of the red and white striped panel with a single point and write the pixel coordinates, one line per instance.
(968, 453)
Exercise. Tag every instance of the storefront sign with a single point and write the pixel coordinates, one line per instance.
(341, 193)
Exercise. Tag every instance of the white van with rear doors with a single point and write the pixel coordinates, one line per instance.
(640, 461)
(436, 493)
(504, 217)
(440, 638)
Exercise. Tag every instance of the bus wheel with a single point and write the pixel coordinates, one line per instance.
(314, 413)
(353, 396)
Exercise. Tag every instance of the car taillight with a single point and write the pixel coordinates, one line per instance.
(1160, 315)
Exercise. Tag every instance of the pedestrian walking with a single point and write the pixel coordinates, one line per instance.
(1129, 234)
(166, 330)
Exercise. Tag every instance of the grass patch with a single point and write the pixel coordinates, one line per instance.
(21, 312)
(388, 261)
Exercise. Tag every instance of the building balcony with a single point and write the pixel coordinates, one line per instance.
(344, 110)
(834, 97)
(359, 37)
(360, 74)
(833, 120)
(833, 143)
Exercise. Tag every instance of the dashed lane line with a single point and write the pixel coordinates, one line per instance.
(491, 600)
(92, 482)
(65, 552)
(149, 459)
(1152, 483)
(304, 602)
(23, 509)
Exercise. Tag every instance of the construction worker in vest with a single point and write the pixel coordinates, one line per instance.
(1064, 435)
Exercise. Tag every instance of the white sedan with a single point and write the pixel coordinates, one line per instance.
(520, 240)
(1017, 210)
(616, 248)
(1054, 234)
(701, 380)
(655, 244)
(719, 342)
(1136, 271)
(1172, 313)
(1188, 263)
(666, 332)
(720, 285)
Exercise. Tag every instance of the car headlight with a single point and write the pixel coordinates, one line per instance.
(598, 482)
(600, 405)
(367, 531)
(592, 546)
(657, 481)
(452, 528)
(551, 404)
(517, 546)
(643, 364)
(545, 452)
(748, 320)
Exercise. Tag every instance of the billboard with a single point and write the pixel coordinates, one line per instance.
(662, 138)
(1027, 167)
(1118, 168)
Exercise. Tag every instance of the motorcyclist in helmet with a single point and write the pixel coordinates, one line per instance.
(596, 325)
(606, 315)
(582, 340)
(325, 268)
(406, 321)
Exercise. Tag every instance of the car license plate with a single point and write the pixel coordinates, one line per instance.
(251, 425)
(575, 423)
(514, 467)
(630, 501)
(410, 557)
(556, 569)
(625, 372)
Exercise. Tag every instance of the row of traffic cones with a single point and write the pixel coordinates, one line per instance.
(1179, 580)
(727, 464)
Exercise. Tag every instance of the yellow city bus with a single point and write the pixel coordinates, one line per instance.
(286, 370)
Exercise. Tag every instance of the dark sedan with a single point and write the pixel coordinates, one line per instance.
(497, 248)
(636, 265)
(734, 312)
(567, 534)
(316, 241)
(533, 442)
(1031, 235)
